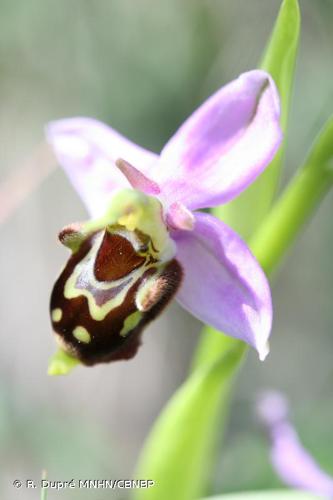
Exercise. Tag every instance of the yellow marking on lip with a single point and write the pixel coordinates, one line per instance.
(81, 334)
(130, 323)
(56, 315)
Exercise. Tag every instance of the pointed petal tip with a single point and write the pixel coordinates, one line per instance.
(261, 320)
(136, 178)
(263, 351)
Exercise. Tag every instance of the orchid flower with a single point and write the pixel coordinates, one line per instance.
(153, 242)
(295, 465)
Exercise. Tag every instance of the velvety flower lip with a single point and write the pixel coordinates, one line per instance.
(218, 151)
(295, 465)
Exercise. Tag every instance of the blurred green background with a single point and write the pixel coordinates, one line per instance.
(143, 66)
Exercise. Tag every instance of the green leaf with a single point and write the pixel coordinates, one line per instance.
(178, 450)
(246, 212)
(280, 56)
(297, 203)
(267, 495)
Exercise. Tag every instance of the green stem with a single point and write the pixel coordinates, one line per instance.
(297, 204)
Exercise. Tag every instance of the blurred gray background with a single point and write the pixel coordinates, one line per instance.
(143, 66)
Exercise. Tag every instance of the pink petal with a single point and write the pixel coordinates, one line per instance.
(87, 150)
(224, 285)
(137, 179)
(224, 145)
(294, 464)
(180, 217)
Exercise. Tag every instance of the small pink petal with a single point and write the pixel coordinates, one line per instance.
(224, 285)
(87, 150)
(179, 217)
(137, 179)
(224, 145)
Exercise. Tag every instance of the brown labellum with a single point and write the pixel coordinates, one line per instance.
(112, 286)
